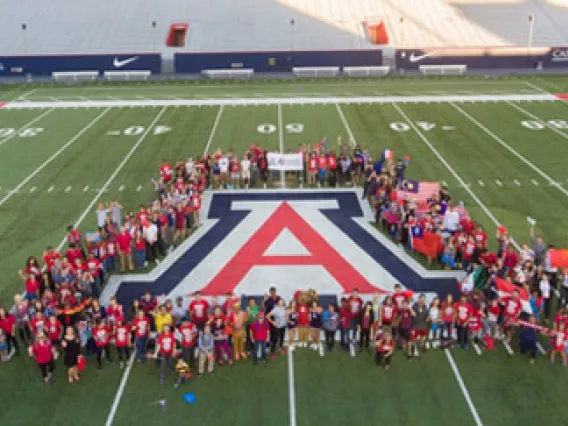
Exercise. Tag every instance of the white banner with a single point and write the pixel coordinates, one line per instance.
(277, 161)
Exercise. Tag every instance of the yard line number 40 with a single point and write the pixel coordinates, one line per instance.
(267, 128)
(539, 125)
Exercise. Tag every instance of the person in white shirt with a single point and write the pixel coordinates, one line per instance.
(526, 254)
(224, 170)
(245, 170)
(102, 213)
(151, 236)
(189, 166)
(544, 287)
(451, 221)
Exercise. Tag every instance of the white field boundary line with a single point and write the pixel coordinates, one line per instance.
(451, 170)
(243, 101)
(291, 387)
(352, 140)
(538, 119)
(463, 388)
(29, 123)
(54, 156)
(11, 92)
(505, 145)
(213, 129)
(25, 95)
(120, 390)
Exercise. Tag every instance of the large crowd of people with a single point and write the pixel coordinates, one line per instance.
(59, 313)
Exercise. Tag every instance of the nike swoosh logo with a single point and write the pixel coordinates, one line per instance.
(414, 58)
(117, 63)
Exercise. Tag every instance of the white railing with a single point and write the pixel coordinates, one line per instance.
(377, 71)
(127, 75)
(315, 71)
(74, 76)
(442, 69)
(229, 73)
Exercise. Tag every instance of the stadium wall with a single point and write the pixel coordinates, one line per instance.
(274, 61)
(13, 66)
(484, 58)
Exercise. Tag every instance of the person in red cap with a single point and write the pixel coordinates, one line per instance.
(259, 336)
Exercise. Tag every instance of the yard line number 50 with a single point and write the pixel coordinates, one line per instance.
(267, 128)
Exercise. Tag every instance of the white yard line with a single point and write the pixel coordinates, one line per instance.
(281, 141)
(511, 150)
(24, 96)
(540, 120)
(29, 123)
(213, 129)
(352, 140)
(464, 390)
(535, 87)
(54, 156)
(114, 174)
(291, 388)
(11, 92)
(120, 390)
(450, 169)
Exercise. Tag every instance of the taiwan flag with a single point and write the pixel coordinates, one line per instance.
(425, 242)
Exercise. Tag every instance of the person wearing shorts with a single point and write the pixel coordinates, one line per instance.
(419, 323)
(405, 327)
(292, 317)
(245, 170)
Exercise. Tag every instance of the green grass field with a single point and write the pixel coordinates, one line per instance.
(505, 160)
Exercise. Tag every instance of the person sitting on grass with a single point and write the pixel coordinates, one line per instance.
(183, 372)
(385, 349)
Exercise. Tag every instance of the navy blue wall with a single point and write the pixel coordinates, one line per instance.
(411, 59)
(279, 61)
(45, 65)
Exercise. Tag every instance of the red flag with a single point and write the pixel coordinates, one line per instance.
(428, 245)
(558, 258)
(505, 289)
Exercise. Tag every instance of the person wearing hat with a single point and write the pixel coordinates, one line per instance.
(270, 300)
(259, 334)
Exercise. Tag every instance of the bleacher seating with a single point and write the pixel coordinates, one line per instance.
(97, 26)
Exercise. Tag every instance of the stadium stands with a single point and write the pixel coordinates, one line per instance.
(96, 26)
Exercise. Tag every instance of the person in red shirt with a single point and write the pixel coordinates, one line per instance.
(8, 325)
(463, 312)
(166, 172)
(114, 310)
(332, 169)
(54, 330)
(188, 333)
(49, 257)
(480, 236)
(399, 296)
(448, 318)
(111, 250)
(559, 338)
(141, 329)
(259, 334)
(165, 346)
(122, 340)
(196, 206)
(385, 349)
(38, 324)
(45, 354)
(388, 315)
(304, 324)
(73, 253)
(312, 168)
(467, 225)
(32, 286)
(510, 258)
(405, 315)
(511, 311)
(101, 335)
(94, 267)
(344, 323)
(198, 309)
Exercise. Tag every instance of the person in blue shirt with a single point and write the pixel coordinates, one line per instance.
(330, 320)
(528, 340)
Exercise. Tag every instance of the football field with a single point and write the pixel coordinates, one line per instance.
(499, 144)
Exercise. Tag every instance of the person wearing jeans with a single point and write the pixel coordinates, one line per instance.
(259, 336)
(165, 349)
(141, 327)
(139, 251)
(330, 323)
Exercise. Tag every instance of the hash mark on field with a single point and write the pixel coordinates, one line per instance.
(534, 182)
(32, 189)
(86, 188)
(68, 188)
(516, 182)
(139, 188)
(121, 188)
(508, 347)
(540, 348)
(498, 182)
(476, 348)
(480, 183)
(50, 189)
